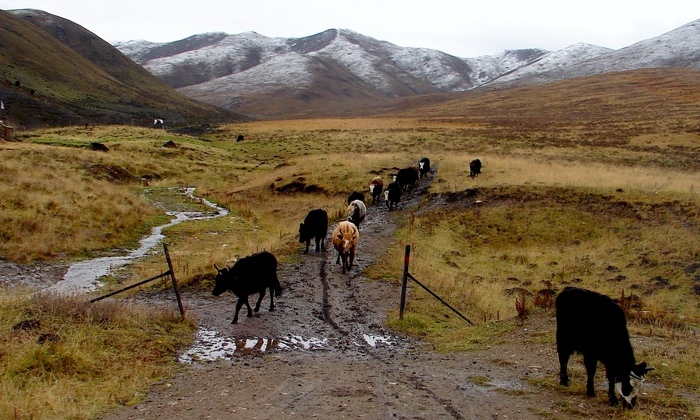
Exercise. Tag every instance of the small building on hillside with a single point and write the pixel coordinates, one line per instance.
(6, 132)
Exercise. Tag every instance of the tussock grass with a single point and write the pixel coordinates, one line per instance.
(74, 359)
(554, 169)
(56, 202)
(534, 237)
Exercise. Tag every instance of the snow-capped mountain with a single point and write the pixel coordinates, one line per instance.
(677, 48)
(233, 71)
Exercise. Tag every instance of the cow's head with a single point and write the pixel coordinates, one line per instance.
(303, 233)
(628, 388)
(222, 280)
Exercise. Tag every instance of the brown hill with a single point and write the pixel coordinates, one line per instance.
(55, 72)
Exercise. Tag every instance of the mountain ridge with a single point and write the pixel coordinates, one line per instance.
(252, 65)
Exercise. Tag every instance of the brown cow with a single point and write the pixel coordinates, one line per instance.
(345, 239)
(376, 185)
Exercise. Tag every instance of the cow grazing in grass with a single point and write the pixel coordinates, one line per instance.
(253, 274)
(315, 226)
(376, 185)
(356, 212)
(392, 195)
(346, 236)
(424, 167)
(594, 325)
(474, 168)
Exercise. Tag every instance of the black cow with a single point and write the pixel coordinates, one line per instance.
(474, 168)
(407, 177)
(252, 274)
(424, 167)
(594, 325)
(356, 195)
(392, 195)
(315, 226)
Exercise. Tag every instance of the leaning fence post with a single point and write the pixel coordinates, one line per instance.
(172, 277)
(406, 258)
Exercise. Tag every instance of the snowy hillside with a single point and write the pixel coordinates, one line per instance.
(224, 70)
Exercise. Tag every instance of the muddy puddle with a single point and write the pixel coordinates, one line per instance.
(210, 346)
(83, 277)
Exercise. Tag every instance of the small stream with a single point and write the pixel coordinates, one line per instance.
(83, 277)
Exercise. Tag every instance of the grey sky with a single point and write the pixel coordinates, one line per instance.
(464, 29)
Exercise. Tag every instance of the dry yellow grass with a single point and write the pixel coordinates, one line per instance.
(65, 358)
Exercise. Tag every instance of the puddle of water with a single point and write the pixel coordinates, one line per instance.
(375, 340)
(82, 277)
(210, 347)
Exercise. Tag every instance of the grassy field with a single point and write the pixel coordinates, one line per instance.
(611, 206)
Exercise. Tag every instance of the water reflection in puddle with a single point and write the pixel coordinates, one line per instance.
(82, 277)
(209, 346)
(376, 340)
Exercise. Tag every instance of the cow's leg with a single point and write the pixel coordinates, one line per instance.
(611, 386)
(308, 242)
(239, 305)
(352, 258)
(563, 363)
(337, 260)
(345, 261)
(250, 311)
(591, 364)
(272, 299)
(260, 299)
(318, 243)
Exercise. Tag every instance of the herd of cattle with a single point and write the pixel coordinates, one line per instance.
(588, 323)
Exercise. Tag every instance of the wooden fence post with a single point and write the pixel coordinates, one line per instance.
(172, 277)
(406, 258)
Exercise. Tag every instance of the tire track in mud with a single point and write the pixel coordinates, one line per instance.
(379, 220)
(326, 304)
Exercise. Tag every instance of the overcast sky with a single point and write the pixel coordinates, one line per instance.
(461, 28)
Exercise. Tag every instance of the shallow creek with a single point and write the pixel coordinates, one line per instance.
(83, 277)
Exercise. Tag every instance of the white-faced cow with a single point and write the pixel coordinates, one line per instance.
(356, 212)
(424, 167)
(392, 195)
(253, 274)
(346, 236)
(474, 168)
(315, 226)
(594, 325)
(376, 185)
